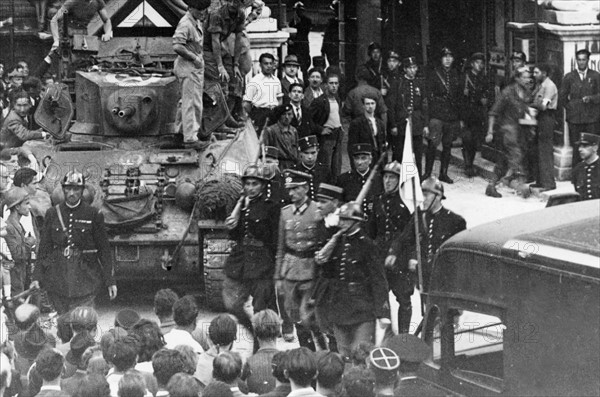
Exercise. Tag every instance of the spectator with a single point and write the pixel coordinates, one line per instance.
(75, 371)
(126, 319)
(384, 363)
(368, 128)
(330, 368)
(257, 371)
(227, 368)
(185, 313)
(132, 385)
(354, 106)
(94, 362)
(17, 127)
(359, 382)
(7, 349)
(123, 356)
(5, 373)
(221, 334)
(217, 389)
(299, 45)
(33, 86)
(163, 308)
(150, 341)
(39, 199)
(49, 365)
(282, 136)
(93, 385)
(301, 371)
(301, 120)
(279, 365)
(83, 322)
(314, 89)
(166, 363)
(183, 385)
(290, 75)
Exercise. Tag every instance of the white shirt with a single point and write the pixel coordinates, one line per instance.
(263, 91)
(179, 337)
(373, 124)
(297, 111)
(582, 74)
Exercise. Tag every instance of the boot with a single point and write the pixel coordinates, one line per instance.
(444, 167)
(429, 160)
(469, 157)
(404, 316)
(491, 191)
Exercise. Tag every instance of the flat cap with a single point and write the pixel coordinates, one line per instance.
(271, 151)
(588, 139)
(393, 54)
(361, 148)
(126, 318)
(519, 55)
(330, 192)
(409, 61)
(291, 59)
(477, 56)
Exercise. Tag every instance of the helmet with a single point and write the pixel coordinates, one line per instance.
(351, 210)
(394, 168)
(384, 359)
(73, 178)
(15, 196)
(84, 317)
(433, 185)
(256, 172)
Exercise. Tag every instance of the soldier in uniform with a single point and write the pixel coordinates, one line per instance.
(329, 199)
(300, 234)
(374, 65)
(586, 174)
(249, 268)
(445, 122)
(274, 188)
(392, 73)
(353, 181)
(437, 225)
(476, 96)
(309, 150)
(389, 218)
(74, 257)
(409, 99)
(351, 292)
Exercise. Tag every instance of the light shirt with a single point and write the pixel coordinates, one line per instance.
(306, 391)
(547, 95)
(297, 111)
(179, 337)
(373, 124)
(334, 115)
(582, 74)
(263, 91)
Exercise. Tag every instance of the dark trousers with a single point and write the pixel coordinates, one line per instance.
(18, 277)
(330, 151)
(543, 150)
(473, 136)
(64, 304)
(402, 286)
(575, 130)
(236, 293)
(259, 117)
(514, 146)
(445, 132)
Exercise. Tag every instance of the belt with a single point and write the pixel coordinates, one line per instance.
(252, 242)
(301, 254)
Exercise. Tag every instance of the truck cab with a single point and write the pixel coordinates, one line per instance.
(514, 306)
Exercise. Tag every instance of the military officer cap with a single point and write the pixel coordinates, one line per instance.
(280, 111)
(307, 142)
(291, 59)
(393, 54)
(410, 61)
(17, 73)
(373, 46)
(255, 172)
(73, 178)
(295, 178)
(15, 196)
(433, 185)
(362, 148)
(519, 55)
(352, 211)
(330, 192)
(477, 56)
(446, 51)
(588, 139)
(198, 4)
(384, 359)
(393, 168)
(408, 347)
(271, 151)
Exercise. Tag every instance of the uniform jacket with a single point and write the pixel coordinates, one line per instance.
(275, 190)
(253, 256)
(475, 88)
(305, 125)
(90, 264)
(434, 231)
(445, 95)
(20, 251)
(388, 219)
(16, 130)
(301, 231)
(352, 183)
(586, 179)
(407, 93)
(361, 131)
(375, 69)
(390, 77)
(573, 89)
(352, 287)
(320, 174)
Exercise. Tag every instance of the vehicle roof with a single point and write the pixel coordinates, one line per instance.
(566, 233)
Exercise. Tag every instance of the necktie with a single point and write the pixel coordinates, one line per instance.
(298, 114)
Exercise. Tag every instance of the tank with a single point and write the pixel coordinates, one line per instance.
(124, 139)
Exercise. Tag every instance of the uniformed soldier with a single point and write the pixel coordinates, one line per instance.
(329, 199)
(389, 218)
(300, 235)
(586, 174)
(74, 255)
(353, 180)
(384, 363)
(438, 224)
(309, 150)
(392, 73)
(274, 188)
(250, 266)
(351, 292)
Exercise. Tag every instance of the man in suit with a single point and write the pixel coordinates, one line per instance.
(368, 129)
(17, 125)
(579, 94)
(315, 86)
(309, 151)
(290, 74)
(301, 119)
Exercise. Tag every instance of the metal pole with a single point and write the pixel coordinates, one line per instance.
(12, 33)
(342, 37)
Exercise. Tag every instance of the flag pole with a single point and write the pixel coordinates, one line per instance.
(417, 218)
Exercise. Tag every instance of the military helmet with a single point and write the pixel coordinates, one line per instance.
(256, 172)
(15, 196)
(384, 359)
(73, 178)
(84, 316)
(352, 211)
(393, 168)
(433, 185)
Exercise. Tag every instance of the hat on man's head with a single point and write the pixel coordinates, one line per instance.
(393, 54)
(126, 318)
(373, 46)
(198, 4)
(393, 168)
(255, 172)
(588, 139)
(446, 51)
(15, 196)
(293, 178)
(291, 59)
(271, 151)
(408, 347)
(330, 192)
(307, 142)
(280, 111)
(361, 148)
(78, 344)
(519, 55)
(409, 61)
(477, 56)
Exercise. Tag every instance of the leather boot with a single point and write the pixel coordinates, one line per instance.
(445, 162)
(429, 160)
(404, 316)
(491, 191)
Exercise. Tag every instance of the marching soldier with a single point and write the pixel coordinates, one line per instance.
(353, 180)
(74, 255)
(390, 216)
(249, 268)
(586, 174)
(300, 234)
(309, 150)
(274, 188)
(351, 292)
(329, 199)
(438, 225)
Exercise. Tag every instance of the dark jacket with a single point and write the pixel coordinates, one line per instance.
(253, 256)
(305, 126)
(319, 110)
(445, 96)
(15, 240)
(352, 183)
(320, 174)
(389, 218)
(90, 264)
(361, 131)
(16, 130)
(586, 180)
(406, 94)
(570, 95)
(280, 391)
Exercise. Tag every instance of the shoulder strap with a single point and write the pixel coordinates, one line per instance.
(442, 80)
(60, 218)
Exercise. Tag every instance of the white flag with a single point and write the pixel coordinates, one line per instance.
(410, 172)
